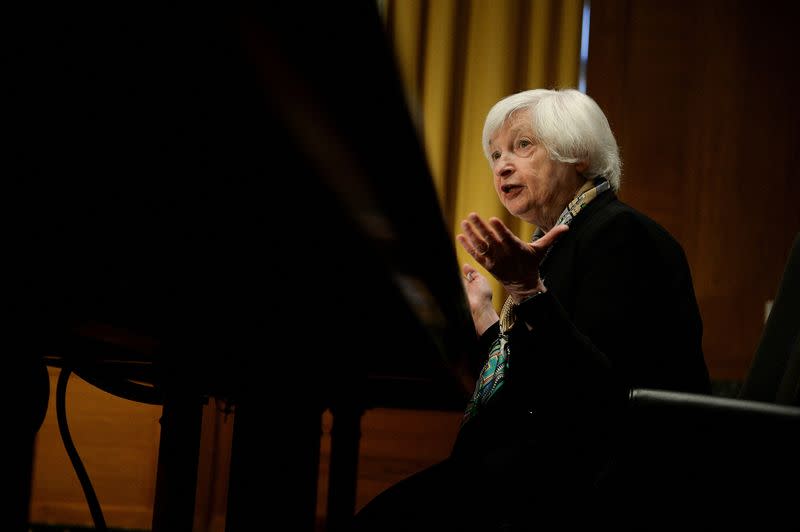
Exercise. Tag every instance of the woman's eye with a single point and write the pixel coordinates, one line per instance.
(524, 147)
(495, 155)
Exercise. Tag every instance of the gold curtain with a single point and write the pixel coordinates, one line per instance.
(456, 59)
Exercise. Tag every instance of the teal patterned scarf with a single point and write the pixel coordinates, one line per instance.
(493, 374)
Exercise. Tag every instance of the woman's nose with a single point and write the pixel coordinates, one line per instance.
(503, 167)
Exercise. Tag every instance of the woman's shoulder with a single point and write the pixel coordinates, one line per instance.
(618, 214)
(618, 221)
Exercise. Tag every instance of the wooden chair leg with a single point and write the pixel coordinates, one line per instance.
(342, 482)
(178, 456)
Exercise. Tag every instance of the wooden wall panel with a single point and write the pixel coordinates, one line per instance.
(398, 443)
(117, 441)
(701, 97)
(394, 444)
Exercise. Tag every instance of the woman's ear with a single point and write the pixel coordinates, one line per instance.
(581, 166)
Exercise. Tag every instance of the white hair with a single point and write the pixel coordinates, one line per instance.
(569, 124)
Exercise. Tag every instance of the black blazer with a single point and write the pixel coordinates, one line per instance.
(620, 312)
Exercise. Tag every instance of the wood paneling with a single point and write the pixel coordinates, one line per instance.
(117, 440)
(395, 444)
(701, 97)
(398, 443)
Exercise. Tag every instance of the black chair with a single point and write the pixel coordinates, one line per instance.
(692, 460)
(774, 375)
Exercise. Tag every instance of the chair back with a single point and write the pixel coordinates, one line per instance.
(774, 374)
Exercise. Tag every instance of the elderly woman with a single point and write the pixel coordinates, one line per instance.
(600, 301)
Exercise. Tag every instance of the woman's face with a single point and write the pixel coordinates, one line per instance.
(529, 184)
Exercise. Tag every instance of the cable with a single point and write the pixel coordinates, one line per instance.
(80, 470)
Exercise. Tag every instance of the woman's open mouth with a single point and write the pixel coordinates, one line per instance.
(511, 190)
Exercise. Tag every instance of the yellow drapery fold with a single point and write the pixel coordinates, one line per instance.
(456, 59)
